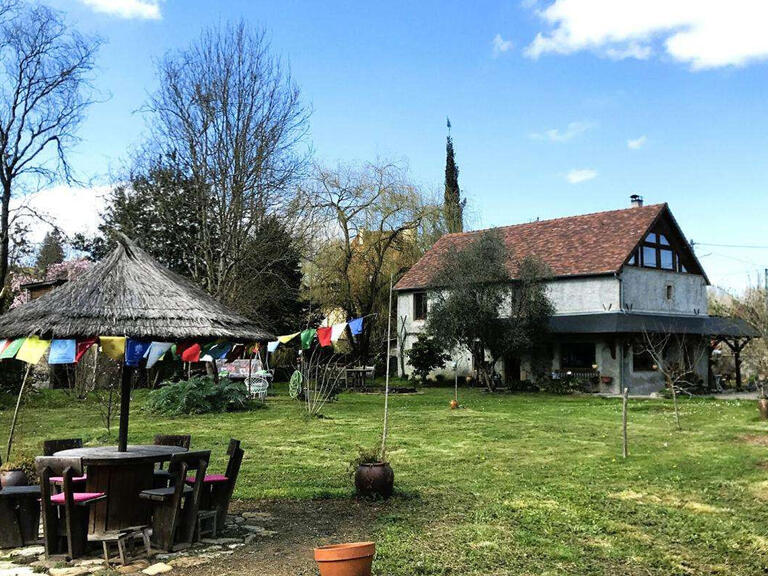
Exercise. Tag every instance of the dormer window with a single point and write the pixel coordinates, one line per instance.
(657, 251)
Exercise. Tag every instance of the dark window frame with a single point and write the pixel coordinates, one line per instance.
(420, 306)
(581, 356)
(642, 360)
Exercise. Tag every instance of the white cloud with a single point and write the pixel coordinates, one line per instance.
(579, 176)
(556, 135)
(702, 33)
(72, 209)
(637, 143)
(141, 9)
(500, 45)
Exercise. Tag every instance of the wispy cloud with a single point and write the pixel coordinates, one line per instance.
(582, 175)
(703, 34)
(500, 45)
(637, 143)
(557, 135)
(129, 9)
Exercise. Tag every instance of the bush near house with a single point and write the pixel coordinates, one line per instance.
(426, 355)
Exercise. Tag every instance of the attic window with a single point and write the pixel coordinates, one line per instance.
(657, 251)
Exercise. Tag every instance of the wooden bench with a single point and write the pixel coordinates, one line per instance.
(121, 538)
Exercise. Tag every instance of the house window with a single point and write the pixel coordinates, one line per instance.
(577, 355)
(656, 251)
(642, 361)
(670, 291)
(419, 305)
(649, 256)
(667, 259)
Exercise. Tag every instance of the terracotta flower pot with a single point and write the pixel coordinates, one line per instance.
(345, 559)
(374, 480)
(454, 404)
(13, 478)
(762, 406)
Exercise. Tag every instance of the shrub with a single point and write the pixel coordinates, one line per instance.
(198, 395)
(425, 355)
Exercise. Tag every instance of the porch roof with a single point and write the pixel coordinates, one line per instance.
(635, 323)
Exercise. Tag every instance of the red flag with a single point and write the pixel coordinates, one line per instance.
(189, 352)
(83, 346)
(324, 336)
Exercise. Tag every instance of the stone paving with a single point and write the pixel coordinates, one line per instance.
(240, 530)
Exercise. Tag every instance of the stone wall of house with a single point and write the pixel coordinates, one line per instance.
(645, 290)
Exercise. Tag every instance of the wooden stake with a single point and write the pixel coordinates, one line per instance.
(16, 414)
(386, 381)
(624, 400)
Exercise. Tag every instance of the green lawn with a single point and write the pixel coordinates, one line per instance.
(511, 484)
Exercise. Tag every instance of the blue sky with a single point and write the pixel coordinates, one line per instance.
(557, 107)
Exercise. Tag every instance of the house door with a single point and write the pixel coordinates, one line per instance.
(511, 370)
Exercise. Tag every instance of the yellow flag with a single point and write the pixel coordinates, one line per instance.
(287, 338)
(32, 350)
(113, 346)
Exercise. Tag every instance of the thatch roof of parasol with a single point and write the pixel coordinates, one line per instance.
(129, 294)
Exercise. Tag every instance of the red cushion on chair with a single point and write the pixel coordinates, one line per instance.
(60, 479)
(209, 479)
(78, 497)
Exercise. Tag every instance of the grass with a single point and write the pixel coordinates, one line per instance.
(510, 484)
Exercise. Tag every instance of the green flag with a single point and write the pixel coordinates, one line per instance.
(306, 338)
(13, 347)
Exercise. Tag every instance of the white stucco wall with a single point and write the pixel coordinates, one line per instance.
(580, 295)
(645, 290)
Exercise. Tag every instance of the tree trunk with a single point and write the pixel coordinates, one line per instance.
(674, 403)
(5, 235)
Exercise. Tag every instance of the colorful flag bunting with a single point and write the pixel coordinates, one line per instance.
(156, 351)
(11, 350)
(83, 346)
(287, 338)
(337, 330)
(306, 338)
(32, 350)
(113, 347)
(272, 346)
(5, 345)
(190, 352)
(218, 351)
(356, 326)
(135, 351)
(324, 335)
(62, 352)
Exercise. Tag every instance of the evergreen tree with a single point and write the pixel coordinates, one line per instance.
(453, 204)
(51, 250)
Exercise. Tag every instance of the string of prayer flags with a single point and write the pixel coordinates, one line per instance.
(83, 346)
(156, 351)
(356, 326)
(135, 351)
(272, 346)
(189, 352)
(287, 338)
(324, 335)
(62, 352)
(113, 346)
(337, 330)
(32, 350)
(306, 338)
(219, 350)
(12, 349)
(4, 345)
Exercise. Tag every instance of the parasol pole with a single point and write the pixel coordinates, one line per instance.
(386, 381)
(125, 405)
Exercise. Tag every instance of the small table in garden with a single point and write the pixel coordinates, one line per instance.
(356, 376)
(121, 476)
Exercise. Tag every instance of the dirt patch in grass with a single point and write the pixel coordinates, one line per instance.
(756, 439)
(300, 525)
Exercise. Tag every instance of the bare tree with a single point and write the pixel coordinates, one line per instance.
(230, 117)
(677, 358)
(45, 88)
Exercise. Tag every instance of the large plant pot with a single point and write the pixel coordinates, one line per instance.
(345, 559)
(374, 480)
(13, 478)
(762, 406)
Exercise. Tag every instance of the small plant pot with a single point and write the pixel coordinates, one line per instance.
(13, 478)
(762, 406)
(353, 559)
(374, 480)
(454, 404)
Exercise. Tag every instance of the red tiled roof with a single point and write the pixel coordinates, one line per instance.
(589, 244)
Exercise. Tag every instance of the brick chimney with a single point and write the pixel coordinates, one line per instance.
(636, 200)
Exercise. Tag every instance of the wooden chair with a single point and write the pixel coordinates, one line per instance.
(65, 515)
(50, 447)
(175, 507)
(162, 478)
(219, 487)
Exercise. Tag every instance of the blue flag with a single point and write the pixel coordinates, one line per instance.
(356, 326)
(134, 351)
(62, 352)
(156, 351)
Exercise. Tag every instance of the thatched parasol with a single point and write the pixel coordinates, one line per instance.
(129, 294)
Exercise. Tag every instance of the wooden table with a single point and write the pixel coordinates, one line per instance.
(121, 475)
(19, 515)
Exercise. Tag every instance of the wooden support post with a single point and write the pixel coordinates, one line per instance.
(737, 365)
(125, 405)
(624, 400)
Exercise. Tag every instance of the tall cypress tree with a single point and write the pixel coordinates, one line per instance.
(453, 205)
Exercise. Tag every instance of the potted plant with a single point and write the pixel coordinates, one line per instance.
(762, 403)
(374, 477)
(17, 473)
